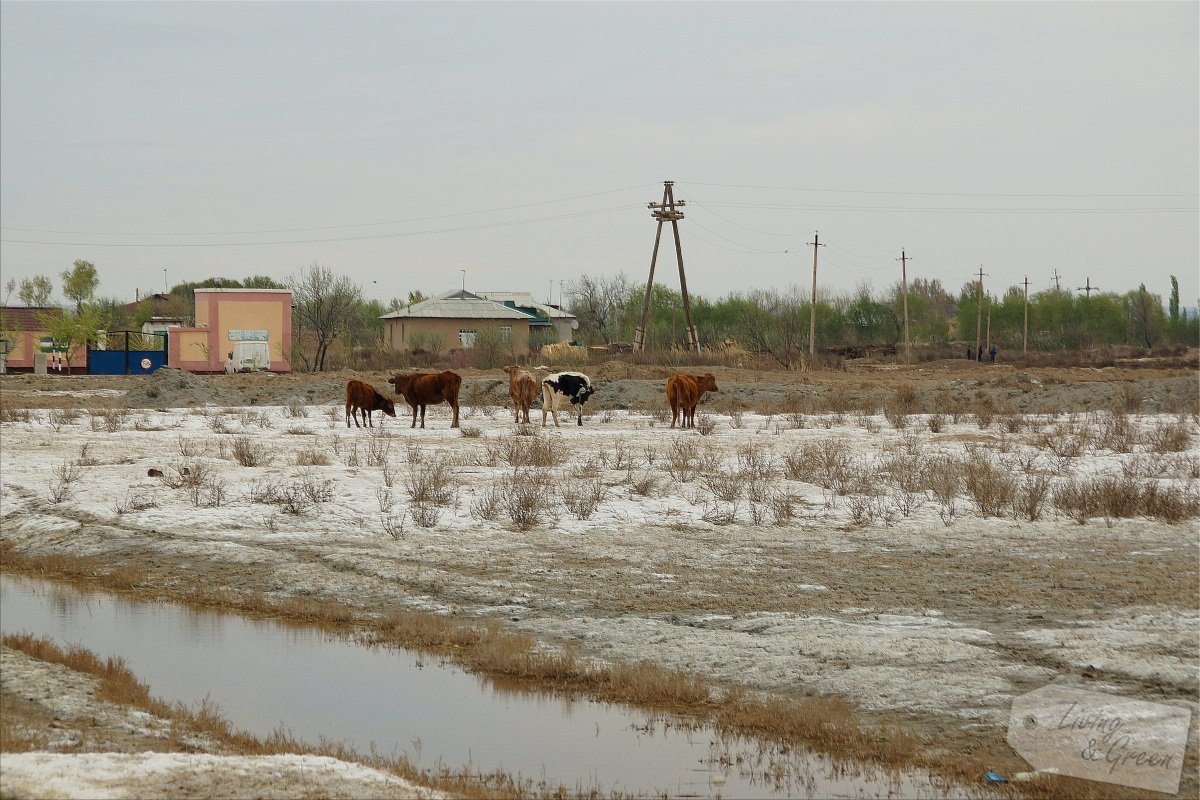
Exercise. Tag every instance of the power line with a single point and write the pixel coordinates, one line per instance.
(935, 194)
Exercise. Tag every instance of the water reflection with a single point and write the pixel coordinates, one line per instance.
(264, 675)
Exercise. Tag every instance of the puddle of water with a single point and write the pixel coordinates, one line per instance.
(264, 676)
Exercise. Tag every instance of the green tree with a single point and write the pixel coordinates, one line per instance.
(71, 330)
(35, 291)
(1145, 315)
(80, 282)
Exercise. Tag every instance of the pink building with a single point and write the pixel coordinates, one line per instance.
(252, 328)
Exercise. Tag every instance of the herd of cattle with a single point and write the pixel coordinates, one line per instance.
(420, 389)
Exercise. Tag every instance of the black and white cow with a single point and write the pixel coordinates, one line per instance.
(565, 388)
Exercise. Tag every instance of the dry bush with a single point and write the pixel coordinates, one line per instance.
(783, 507)
(1116, 432)
(62, 479)
(723, 484)
(936, 422)
(942, 475)
(988, 483)
(517, 450)
(85, 458)
(1131, 398)
(295, 410)
(827, 463)
(217, 423)
(523, 499)
(866, 509)
(1168, 437)
(312, 457)
(190, 448)
(905, 399)
(489, 503)
(1066, 439)
(432, 485)
(110, 420)
(1032, 497)
(378, 446)
(425, 515)
(682, 459)
(10, 414)
(470, 432)
(58, 417)
(582, 498)
(383, 496)
(645, 484)
(250, 452)
(896, 416)
(620, 457)
(135, 502)
(720, 513)
(706, 424)
(393, 524)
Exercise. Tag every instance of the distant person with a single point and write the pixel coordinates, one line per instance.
(979, 357)
(968, 352)
(992, 354)
(230, 368)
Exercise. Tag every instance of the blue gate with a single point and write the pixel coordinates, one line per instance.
(148, 354)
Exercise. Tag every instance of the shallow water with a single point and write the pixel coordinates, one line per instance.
(264, 676)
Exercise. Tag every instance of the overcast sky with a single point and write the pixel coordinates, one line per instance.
(399, 143)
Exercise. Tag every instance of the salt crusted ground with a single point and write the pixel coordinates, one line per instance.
(940, 614)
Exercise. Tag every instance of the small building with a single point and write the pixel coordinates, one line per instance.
(23, 335)
(452, 320)
(250, 327)
(545, 316)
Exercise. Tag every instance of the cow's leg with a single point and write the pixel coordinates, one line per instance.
(414, 422)
(422, 415)
(675, 414)
(579, 419)
(348, 415)
(370, 422)
(454, 405)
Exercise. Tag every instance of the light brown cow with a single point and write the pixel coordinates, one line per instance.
(684, 393)
(363, 397)
(523, 389)
(420, 389)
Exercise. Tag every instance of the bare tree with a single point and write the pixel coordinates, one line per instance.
(324, 306)
(596, 302)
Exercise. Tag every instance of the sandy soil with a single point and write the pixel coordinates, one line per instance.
(937, 625)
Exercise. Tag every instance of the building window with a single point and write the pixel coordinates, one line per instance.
(506, 333)
(467, 337)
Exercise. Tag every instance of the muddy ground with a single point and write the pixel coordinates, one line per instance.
(938, 627)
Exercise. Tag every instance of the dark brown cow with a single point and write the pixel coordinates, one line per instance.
(424, 388)
(363, 397)
(684, 393)
(523, 389)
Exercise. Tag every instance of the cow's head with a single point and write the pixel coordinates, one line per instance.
(583, 394)
(400, 382)
(707, 382)
(387, 406)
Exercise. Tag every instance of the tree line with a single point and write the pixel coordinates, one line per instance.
(335, 324)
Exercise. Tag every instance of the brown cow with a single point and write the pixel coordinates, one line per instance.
(684, 393)
(363, 397)
(523, 389)
(423, 388)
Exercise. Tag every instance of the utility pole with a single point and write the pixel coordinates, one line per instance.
(1088, 289)
(979, 317)
(1025, 336)
(1056, 279)
(815, 244)
(904, 286)
(666, 211)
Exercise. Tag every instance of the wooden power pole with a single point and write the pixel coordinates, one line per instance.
(979, 318)
(1025, 335)
(904, 288)
(815, 244)
(666, 211)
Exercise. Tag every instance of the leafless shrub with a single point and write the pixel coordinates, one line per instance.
(905, 399)
(896, 416)
(209, 493)
(384, 496)
(868, 422)
(135, 502)
(189, 448)
(58, 417)
(988, 483)
(865, 509)
(250, 452)
(582, 498)
(1168, 437)
(304, 493)
(312, 457)
(110, 420)
(936, 422)
(827, 463)
(393, 524)
(426, 515)
(10, 414)
(722, 484)
(1032, 497)
(1115, 432)
(1171, 504)
(351, 459)
(783, 507)
(430, 485)
(620, 457)
(295, 410)
(389, 474)
(518, 451)
(85, 457)
(707, 423)
(644, 484)
(718, 513)
(217, 423)
(523, 498)
(378, 445)
(942, 475)
(682, 459)
(1010, 423)
(947, 512)
(490, 502)
(62, 478)
(984, 416)
(470, 432)
(185, 475)
(1131, 398)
